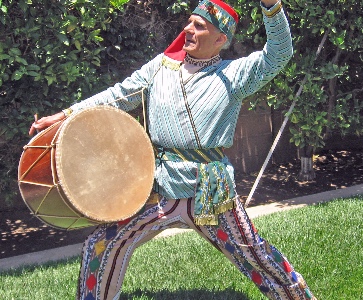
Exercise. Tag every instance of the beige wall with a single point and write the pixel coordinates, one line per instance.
(254, 136)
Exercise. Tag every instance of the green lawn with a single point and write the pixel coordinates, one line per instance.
(323, 242)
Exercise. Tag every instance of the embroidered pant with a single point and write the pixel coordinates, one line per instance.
(107, 251)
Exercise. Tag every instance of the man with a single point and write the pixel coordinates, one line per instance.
(193, 101)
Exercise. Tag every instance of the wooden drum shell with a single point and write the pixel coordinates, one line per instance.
(94, 167)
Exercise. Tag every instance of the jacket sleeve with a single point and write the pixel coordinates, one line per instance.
(257, 69)
(126, 95)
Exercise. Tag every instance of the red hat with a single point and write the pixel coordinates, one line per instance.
(218, 13)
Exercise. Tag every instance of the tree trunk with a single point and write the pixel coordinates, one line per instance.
(307, 172)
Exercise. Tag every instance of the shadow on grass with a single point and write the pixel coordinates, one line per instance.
(185, 295)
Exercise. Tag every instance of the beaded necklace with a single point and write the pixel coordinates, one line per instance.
(202, 62)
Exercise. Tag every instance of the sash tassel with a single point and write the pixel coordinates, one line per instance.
(215, 190)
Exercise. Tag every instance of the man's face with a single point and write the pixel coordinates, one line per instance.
(203, 40)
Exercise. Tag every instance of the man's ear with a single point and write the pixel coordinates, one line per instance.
(222, 39)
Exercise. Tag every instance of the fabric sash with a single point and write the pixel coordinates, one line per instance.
(214, 192)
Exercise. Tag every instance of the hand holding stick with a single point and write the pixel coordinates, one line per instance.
(45, 122)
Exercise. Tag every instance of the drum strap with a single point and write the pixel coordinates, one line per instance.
(144, 102)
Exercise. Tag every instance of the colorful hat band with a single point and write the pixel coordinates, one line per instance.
(218, 16)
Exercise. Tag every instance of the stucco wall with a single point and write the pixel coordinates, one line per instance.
(254, 136)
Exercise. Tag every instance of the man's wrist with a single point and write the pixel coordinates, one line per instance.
(269, 3)
(67, 112)
(271, 11)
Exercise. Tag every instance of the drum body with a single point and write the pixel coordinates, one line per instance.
(96, 166)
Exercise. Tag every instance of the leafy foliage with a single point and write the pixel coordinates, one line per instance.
(49, 53)
(331, 101)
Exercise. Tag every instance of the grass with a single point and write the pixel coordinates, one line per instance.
(322, 241)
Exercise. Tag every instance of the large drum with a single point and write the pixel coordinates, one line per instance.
(96, 166)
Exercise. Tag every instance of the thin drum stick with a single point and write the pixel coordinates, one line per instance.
(36, 119)
(283, 125)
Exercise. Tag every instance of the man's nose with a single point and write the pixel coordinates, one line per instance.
(188, 28)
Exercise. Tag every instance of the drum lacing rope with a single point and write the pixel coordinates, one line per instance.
(42, 147)
(45, 152)
(283, 125)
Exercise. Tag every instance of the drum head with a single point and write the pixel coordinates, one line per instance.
(105, 163)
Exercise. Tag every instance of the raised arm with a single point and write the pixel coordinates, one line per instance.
(125, 95)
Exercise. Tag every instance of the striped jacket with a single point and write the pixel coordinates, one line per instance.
(201, 112)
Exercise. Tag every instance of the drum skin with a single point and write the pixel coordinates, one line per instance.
(94, 167)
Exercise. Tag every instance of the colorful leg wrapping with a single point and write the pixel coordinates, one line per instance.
(108, 249)
(238, 239)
